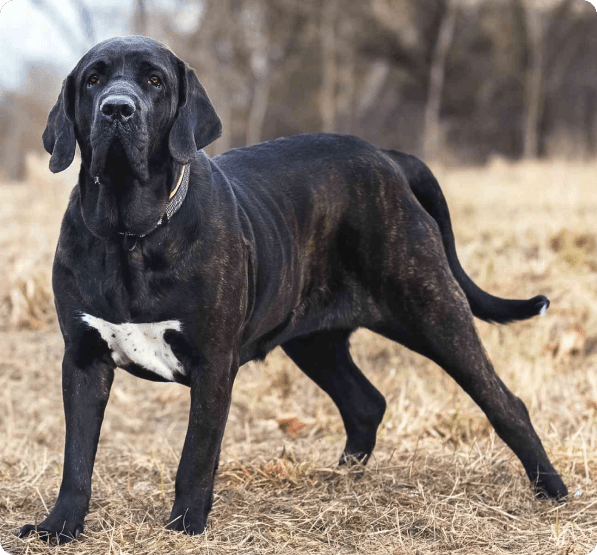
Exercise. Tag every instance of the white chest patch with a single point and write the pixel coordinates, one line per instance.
(141, 344)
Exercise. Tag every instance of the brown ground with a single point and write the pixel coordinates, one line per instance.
(440, 480)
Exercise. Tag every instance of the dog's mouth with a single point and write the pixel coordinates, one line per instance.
(117, 152)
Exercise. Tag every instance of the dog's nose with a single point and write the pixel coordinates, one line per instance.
(118, 107)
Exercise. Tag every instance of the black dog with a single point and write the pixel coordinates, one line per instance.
(180, 268)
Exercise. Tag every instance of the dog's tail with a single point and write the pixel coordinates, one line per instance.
(483, 305)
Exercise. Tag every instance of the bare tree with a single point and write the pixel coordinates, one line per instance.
(329, 77)
(533, 81)
(421, 37)
(273, 34)
(431, 127)
(71, 33)
(338, 23)
(373, 83)
(258, 41)
(546, 22)
(346, 78)
(140, 17)
(212, 47)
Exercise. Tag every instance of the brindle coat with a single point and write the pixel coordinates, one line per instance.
(295, 242)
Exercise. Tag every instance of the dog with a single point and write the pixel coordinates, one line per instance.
(177, 267)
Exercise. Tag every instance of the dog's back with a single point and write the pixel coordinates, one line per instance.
(371, 204)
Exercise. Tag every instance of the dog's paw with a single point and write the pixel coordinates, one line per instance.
(188, 523)
(550, 486)
(53, 532)
(64, 523)
(354, 459)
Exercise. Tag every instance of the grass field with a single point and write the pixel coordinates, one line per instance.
(440, 480)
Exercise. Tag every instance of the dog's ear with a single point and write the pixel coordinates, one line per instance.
(196, 123)
(59, 135)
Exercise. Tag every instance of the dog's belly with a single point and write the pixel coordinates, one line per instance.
(140, 344)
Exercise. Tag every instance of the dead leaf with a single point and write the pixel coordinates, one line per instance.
(291, 425)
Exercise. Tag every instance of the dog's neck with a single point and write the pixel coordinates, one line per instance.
(120, 204)
(175, 200)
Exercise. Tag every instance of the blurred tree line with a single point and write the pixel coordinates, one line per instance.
(452, 80)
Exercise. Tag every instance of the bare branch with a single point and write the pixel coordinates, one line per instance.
(65, 29)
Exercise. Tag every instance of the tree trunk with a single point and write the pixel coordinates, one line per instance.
(374, 83)
(258, 43)
(346, 77)
(431, 132)
(329, 79)
(533, 86)
(258, 109)
(140, 18)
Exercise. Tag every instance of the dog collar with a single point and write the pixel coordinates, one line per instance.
(175, 201)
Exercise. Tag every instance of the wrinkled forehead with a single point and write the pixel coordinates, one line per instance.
(130, 52)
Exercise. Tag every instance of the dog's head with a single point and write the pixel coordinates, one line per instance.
(127, 102)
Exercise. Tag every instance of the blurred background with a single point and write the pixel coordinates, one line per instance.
(458, 80)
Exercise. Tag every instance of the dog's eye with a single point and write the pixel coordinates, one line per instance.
(93, 80)
(155, 81)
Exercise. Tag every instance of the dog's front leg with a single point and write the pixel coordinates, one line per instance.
(86, 387)
(211, 388)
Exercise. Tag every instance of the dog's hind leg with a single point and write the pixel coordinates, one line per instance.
(435, 320)
(325, 358)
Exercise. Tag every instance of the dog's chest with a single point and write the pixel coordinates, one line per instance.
(140, 344)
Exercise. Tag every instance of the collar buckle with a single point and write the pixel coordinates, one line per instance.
(125, 241)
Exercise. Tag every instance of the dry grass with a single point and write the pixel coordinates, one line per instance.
(440, 480)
